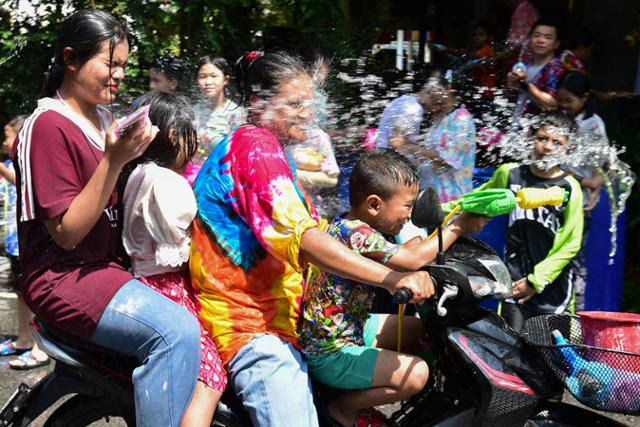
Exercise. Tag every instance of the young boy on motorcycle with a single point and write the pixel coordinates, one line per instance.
(541, 242)
(346, 346)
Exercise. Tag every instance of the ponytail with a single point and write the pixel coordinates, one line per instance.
(83, 32)
(53, 78)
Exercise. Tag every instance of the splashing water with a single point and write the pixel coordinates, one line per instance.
(589, 152)
(354, 98)
(368, 94)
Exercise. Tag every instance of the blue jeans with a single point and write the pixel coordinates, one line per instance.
(165, 338)
(271, 378)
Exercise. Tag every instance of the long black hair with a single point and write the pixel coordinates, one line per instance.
(578, 84)
(83, 31)
(173, 115)
(217, 61)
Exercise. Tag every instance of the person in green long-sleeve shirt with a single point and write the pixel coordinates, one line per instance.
(542, 242)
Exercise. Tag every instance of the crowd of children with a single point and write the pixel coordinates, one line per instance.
(185, 241)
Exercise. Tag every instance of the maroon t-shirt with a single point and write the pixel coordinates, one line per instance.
(54, 160)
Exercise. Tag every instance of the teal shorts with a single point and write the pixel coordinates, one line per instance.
(351, 367)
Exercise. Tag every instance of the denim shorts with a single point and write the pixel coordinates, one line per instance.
(350, 367)
(270, 377)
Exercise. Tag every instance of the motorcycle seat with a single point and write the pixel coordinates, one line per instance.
(85, 352)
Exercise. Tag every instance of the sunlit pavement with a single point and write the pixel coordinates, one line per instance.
(9, 378)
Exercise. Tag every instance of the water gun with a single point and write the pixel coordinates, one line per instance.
(493, 202)
(501, 201)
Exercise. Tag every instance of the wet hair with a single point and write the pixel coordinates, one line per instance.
(579, 85)
(261, 75)
(170, 66)
(17, 122)
(171, 113)
(438, 78)
(548, 21)
(555, 119)
(579, 36)
(380, 172)
(83, 31)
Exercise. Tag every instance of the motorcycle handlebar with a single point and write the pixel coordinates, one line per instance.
(402, 296)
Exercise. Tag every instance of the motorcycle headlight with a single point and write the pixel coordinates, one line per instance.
(499, 285)
(481, 286)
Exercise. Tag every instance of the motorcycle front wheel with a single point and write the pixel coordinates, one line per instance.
(82, 411)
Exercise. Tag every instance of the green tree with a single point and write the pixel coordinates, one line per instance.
(184, 28)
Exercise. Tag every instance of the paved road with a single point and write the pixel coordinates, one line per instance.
(9, 379)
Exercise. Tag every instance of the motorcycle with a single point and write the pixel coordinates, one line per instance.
(99, 380)
(485, 374)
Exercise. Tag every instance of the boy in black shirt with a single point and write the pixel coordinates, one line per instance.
(541, 242)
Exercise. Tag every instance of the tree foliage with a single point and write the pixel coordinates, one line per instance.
(184, 28)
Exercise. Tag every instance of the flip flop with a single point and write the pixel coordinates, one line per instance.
(28, 361)
(8, 348)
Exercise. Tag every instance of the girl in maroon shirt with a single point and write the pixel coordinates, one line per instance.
(72, 272)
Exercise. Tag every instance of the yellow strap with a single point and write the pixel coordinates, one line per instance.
(400, 320)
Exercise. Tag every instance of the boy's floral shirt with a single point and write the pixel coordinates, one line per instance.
(335, 309)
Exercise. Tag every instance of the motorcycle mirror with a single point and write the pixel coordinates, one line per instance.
(426, 210)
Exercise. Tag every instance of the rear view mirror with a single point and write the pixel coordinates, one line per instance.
(426, 211)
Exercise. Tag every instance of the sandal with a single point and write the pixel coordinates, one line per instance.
(27, 361)
(371, 418)
(8, 348)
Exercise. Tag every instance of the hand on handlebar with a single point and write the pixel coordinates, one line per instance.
(419, 284)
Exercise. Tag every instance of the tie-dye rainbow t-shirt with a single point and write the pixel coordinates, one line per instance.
(246, 239)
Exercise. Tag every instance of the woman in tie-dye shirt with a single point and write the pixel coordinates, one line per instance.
(253, 236)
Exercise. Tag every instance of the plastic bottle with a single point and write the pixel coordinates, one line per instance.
(589, 381)
(519, 68)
